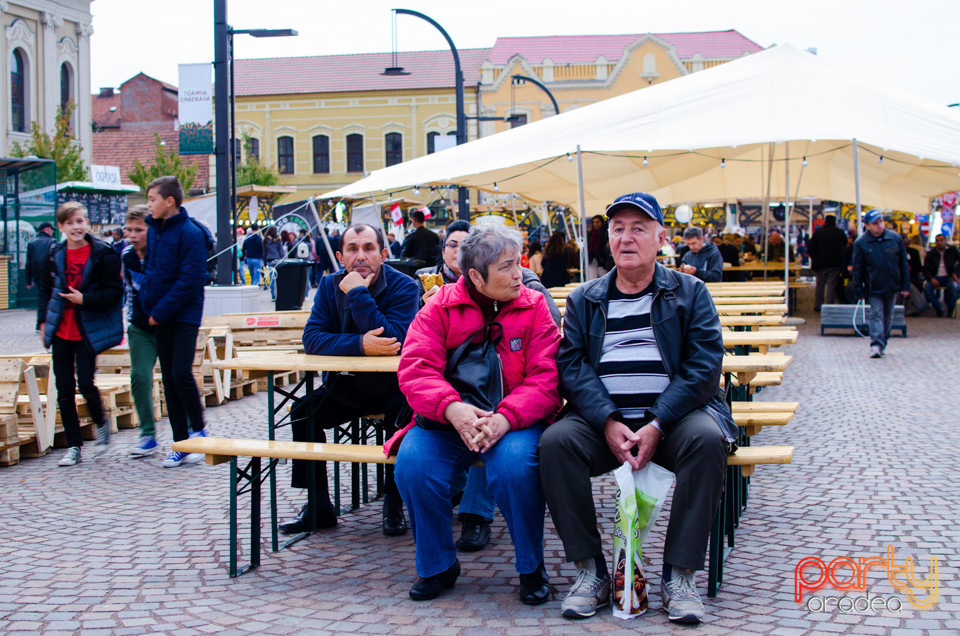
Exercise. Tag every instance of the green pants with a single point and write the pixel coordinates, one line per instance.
(143, 357)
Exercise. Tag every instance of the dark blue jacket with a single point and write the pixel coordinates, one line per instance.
(708, 261)
(175, 271)
(253, 247)
(880, 266)
(338, 321)
(132, 281)
(100, 317)
(687, 330)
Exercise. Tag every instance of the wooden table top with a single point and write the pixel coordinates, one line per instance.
(773, 266)
(752, 321)
(303, 362)
(747, 367)
(752, 309)
(767, 338)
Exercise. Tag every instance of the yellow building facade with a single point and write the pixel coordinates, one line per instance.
(326, 121)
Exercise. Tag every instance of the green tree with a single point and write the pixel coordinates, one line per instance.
(164, 163)
(252, 172)
(61, 147)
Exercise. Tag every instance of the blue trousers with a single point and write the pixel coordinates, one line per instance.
(254, 265)
(880, 319)
(949, 295)
(477, 499)
(429, 462)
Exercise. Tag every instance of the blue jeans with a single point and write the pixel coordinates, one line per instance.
(428, 463)
(477, 499)
(254, 265)
(880, 319)
(949, 295)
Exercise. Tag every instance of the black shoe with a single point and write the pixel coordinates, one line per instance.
(431, 587)
(394, 522)
(475, 533)
(535, 587)
(300, 523)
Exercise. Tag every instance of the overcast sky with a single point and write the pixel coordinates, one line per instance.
(911, 45)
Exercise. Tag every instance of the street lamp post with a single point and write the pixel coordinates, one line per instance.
(463, 211)
(524, 78)
(257, 33)
(223, 95)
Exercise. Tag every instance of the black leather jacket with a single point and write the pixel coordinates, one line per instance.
(687, 329)
(931, 264)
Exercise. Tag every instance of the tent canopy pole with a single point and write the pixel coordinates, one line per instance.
(856, 182)
(583, 219)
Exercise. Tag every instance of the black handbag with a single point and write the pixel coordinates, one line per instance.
(474, 369)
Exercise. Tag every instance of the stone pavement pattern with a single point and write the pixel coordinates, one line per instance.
(123, 546)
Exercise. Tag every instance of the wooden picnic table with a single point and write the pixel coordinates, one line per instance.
(762, 340)
(310, 365)
(747, 367)
(752, 309)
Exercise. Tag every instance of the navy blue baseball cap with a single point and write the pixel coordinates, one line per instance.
(45, 225)
(637, 201)
(872, 216)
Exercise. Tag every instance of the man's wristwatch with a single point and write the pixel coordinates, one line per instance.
(655, 423)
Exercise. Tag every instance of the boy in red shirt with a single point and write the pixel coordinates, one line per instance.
(79, 312)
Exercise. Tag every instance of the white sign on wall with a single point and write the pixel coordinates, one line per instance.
(105, 177)
(195, 97)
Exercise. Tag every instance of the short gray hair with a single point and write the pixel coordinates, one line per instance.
(693, 232)
(484, 245)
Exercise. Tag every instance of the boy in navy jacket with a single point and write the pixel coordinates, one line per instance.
(172, 297)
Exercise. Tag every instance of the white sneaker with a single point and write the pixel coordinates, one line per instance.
(680, 598)
(71, 458)
(588, 592)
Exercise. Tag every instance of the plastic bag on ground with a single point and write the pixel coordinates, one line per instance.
(640, 496)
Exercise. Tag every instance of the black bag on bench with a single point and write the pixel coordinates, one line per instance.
(475, 371)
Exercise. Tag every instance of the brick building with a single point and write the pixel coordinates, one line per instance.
(124, 124)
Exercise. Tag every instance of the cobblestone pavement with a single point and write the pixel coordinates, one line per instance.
(116, 545)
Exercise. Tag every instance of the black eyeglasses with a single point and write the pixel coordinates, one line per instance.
(451, 244)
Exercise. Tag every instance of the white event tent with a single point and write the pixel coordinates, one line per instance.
(709, 137)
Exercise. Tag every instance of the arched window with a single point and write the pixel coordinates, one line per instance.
(355, 153)
(66, 81)
(321, 154)
(431, 142)
(393, 143)
(253, 148)
(285, 155)
(18, 92)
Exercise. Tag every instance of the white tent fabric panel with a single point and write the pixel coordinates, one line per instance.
(686, 126)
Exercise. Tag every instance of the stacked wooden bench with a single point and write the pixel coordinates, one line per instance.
(249, 334)
(221, 450)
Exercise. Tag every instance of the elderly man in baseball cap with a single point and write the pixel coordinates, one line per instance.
(640, 368)
(881, 271)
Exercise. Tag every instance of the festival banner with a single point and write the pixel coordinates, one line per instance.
(196, 109)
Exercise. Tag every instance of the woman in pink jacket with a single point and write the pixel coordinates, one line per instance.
(431, 459)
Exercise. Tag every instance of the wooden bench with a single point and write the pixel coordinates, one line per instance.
(842, 317)
(222, 450)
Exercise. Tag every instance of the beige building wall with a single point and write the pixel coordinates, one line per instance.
(412, 114)
(48, 34)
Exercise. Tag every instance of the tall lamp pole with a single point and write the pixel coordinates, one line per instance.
(225, 236)
(223, 98)
(257, 33)
(463, 211)
(524, 78)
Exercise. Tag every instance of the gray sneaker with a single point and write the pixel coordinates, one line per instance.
(587, 594)
(71, 458)
(103, 434)
(680, 598)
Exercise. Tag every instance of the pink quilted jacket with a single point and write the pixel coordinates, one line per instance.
(528, 351)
